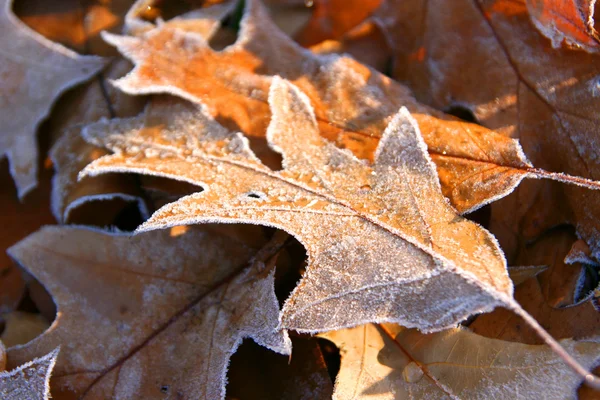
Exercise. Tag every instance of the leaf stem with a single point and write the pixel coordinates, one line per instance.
(564, 178)
(589, 378)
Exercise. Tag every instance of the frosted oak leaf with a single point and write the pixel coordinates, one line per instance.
(387, 362)
(157, 312)
(352, 103)
(384, 244)
(34, 71)
(30, 381)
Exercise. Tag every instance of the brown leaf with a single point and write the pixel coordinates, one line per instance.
(519, 275)
(256, 373)
(138, 316)
(18, 219)
(579, 321)
(547, 98)
(21, 327)
(381, 238)
(353, 104)
(391, 362)
(2, 357)
(29, 381)
(204, 21)
(96, 200)
(332, 18)
(34, 73)
(75, 24)
(561, 281)
(571, 21)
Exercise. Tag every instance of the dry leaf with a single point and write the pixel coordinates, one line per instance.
(519, 275)
(203, 21)
(381, 239)
(18, 219)
(2, 357)
(547, 98)
(391, 362)
(21, 327)
(258, 374)
(90, 200)
(353, 104)
(34, 73)
(149, 315)
(561, 282)
(332, 18)
(571, 21)
(75, 24)
(579, 321)
(29, 381)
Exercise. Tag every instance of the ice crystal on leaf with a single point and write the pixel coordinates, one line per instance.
(30, 381)
(383, 243)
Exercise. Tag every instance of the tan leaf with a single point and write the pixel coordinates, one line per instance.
(391, 362)
(381, 238)
(34, 73)
(571, 21)
(151, 314)
(30, 381)
(353, 103)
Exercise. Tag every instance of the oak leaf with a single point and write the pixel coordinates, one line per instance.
(151, 314)
(34, 73)
(381, 238)
(72, 200)
(547, 98)
(390, 362)
(30, 381)
(353, 103)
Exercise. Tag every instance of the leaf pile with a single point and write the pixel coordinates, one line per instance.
(340, 182)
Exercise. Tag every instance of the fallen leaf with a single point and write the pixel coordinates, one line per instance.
(204, 21)
(73, 23)
(149, 315)
(380, 238)
(353, 103)
(2, 357)
(561, 282)
(96, 200)
(255, 373)
(578, 321)
(34, 73)
(29, 381)
(21, 327)
(18, 219)
(546, 98)
(390, 362)
(519, 275)
(571, 21)
(332, 18)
